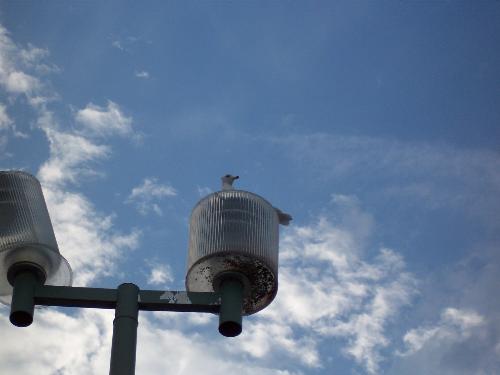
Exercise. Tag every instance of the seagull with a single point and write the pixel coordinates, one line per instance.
(227, 184)
(227, 181)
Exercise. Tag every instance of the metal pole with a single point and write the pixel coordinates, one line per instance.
(24, 277)
(23, 303)
(230, 319)
(123, 347)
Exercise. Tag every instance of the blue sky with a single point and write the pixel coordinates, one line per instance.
(376, 124)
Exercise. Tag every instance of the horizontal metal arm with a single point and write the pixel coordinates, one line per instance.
(68, 296)
(153, 300)
(127, 300)
(149, 300)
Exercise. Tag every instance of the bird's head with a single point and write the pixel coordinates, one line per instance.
(227, 181)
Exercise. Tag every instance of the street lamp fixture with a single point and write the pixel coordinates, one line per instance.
(232, 264)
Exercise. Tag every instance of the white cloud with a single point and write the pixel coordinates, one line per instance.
(463, 320)
(160, 274)
(104, 121)
(455, 328)
(146, 196)
(33, 55)
(416, 338)
(34, 58)
(184, 354)
(70, 154)
(21, 83)
(264, 339)
(462, 339)
(426, 176)
(69, 345)
(18, 69)
(142, 74)
(12, 61)
(327, 291)
(85, 236)
(81, 344)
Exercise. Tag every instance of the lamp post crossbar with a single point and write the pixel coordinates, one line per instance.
(148, 300)
(127, 301)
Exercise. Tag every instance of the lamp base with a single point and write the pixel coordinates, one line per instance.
(24, 277)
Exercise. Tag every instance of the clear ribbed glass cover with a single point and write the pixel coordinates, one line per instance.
(26, 233)
(235, 231)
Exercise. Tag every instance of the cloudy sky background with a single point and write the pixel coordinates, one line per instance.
(375, 124)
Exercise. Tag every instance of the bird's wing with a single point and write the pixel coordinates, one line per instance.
(284, 218)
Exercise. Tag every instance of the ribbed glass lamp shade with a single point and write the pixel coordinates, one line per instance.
(234, 231)
(26, 233)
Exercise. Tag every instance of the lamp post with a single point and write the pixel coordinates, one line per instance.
(232, 264)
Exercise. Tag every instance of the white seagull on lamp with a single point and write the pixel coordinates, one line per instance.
(227, 184)
(227, 181)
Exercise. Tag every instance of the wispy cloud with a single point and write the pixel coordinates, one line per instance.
(327, 290)
(433, 175)
(14, 61)
(425, 177)
(85, 235)
(204, 190)
(71, 154)
(21, 78)
(147, 195)
(142, 74)
(118, 44)
(125, 44)
(7, 124)
(463, 339)
(104, 121)
(455, 325)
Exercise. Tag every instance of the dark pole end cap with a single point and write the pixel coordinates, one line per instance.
(21, 318)
(230, 329)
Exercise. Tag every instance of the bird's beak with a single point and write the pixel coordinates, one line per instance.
(236, 177)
